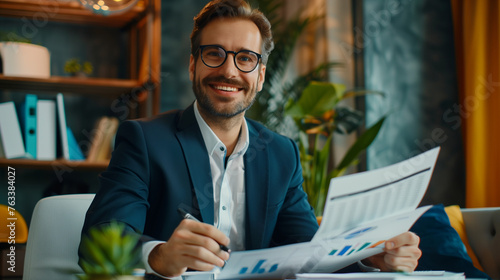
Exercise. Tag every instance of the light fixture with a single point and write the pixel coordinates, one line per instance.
(108, 7)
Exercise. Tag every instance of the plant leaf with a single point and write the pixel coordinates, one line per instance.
(361, 144)
(316, 99)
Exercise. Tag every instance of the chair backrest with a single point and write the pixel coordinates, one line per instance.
(54, 237)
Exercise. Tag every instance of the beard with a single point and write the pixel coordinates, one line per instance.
(208, 105)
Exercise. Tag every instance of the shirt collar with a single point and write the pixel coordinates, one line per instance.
(212, 142)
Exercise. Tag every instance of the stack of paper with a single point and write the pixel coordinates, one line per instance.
(420, 275)
(361, 212)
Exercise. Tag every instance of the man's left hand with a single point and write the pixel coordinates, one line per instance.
(401, 253)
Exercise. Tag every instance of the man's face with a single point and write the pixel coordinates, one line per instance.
(225, 91)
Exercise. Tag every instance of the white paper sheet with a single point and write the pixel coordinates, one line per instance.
(362, 211)
(376, 194)
(417, 275)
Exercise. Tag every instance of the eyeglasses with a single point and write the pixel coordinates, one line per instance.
(214, 56)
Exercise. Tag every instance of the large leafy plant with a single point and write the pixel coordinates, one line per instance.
(319, 113)
(306, 110)
(271, 101)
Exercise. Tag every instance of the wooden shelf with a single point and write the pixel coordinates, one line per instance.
(69, 84)
(51, 164)
(66, 11)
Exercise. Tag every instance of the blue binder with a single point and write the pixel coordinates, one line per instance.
(27, 119)
(75, 153)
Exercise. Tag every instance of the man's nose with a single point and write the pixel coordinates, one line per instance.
(229, 69)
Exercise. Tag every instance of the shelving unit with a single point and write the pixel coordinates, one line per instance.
(45, 164)
(67, 11)
(68, 84)
(143, 25)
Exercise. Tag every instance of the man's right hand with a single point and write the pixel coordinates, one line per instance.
(193, 245)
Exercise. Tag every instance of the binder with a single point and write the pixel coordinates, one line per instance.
(27, 120)
(61, 122)
(75, 153)
(11, 139)
(46, 134)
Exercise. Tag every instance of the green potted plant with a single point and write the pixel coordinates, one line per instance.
(317, 115)
(75, 68)
(109, 252)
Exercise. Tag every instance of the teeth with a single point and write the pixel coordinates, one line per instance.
(224, 88)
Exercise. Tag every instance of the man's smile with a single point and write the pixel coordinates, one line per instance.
(225, 88)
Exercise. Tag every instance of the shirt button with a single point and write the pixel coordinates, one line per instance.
(224, 208)
(222, 149)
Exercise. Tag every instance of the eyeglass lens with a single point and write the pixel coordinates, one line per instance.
(214, 56)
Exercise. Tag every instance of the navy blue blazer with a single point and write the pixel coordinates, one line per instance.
(162, 163)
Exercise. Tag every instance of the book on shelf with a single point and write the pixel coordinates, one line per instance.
(11, 139)
(103, 138)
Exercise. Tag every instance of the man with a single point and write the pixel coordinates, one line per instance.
(242, 180)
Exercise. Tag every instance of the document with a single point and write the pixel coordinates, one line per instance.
(420, 275)
(361, 212)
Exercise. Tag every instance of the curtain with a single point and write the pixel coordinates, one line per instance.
(478, 68)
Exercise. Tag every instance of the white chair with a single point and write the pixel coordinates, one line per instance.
(54, 237)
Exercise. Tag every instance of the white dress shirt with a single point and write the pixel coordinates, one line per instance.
(228, 182)
(228, 178)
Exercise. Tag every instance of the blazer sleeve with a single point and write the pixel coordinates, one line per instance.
(123, 193)
(296, 220)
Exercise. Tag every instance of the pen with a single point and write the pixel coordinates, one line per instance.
(185, 215)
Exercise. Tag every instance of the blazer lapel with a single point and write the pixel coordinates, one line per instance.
(256, 161)
(195, 153)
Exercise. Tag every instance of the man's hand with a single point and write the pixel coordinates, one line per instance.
(401, 253)
(193, 245)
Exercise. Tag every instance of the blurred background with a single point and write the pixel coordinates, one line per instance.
(435, 61)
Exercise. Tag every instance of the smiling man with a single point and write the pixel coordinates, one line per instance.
(241, 180)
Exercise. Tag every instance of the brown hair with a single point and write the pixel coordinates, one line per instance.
(232, 9)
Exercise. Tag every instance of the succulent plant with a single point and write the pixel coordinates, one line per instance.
(73, 66)
(109, 250)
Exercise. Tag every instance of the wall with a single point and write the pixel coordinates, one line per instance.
(177, 23)
(409, 54)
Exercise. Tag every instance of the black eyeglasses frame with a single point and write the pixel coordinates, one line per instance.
(259, 57)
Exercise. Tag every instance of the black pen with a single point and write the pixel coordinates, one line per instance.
(185, 215)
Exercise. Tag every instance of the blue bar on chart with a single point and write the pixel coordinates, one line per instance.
(344, 250)
(258, 269)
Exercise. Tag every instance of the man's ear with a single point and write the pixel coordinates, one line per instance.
(262, 78)
(192, 64)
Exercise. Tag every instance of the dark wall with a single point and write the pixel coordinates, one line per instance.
(177, 23)
(409, 54)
